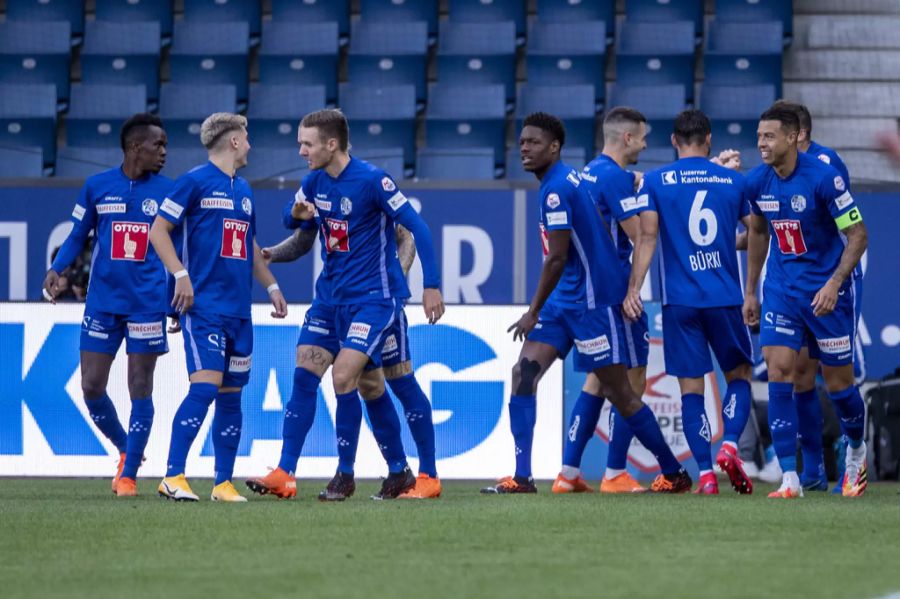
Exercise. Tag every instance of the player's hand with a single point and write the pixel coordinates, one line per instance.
(174, 325)
(524, 326)
(184, 295)
(266, 253)
(729, 159)
(433, 303)
(302, 210)
(51, 288)
(751, 310)
(638, 179)
(279, 303)
(826, 298)
(632, 307)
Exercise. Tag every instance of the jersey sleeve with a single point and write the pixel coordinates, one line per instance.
(832, 190)
(646, 195)
(84, 219)
(618, 191)
(556, 209)
(740, 184)
(751, 194)
(391, 199)
(180, 200)
(301, 196)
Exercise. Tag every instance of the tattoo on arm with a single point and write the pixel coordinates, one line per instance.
(406, 248)
(294, 246)
(857, 242)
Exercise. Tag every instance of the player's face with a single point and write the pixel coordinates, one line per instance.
(536, 148)
(243, 148)
(774, 142)
(314, 148)
(152, 150)
(635, 142)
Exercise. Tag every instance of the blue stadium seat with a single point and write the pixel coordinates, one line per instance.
(181, 160)
(566, 11)
(664, 11)
(379, 56)
(28, 117)
(210, 53)
(80, 163)
(381, 117)
(225, 11)
(401, 11)
(390, 160)
(300, 54)
(313, 11)
(734, 112)
(281, 164)
(36, 53)
(653, 158)
(574, 104)
(455, 165)
(481, 11)
(136, 11)
(48, 10)
(275, 111)
(574, 157)
(659, 104)
(96, 113)
(184, 107)
(478, 53)
(568, 54)
(118, 55)
(757, 10)
(21, 162)
(466, 116)
(656, 54)
(743, 54)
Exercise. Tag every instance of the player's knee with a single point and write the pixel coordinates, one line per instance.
(397, 370)
(592, 385)
(742, 372)
(344, 379)
(838, 378)
(93, 387)
(140, 385)
(525, 375)
(370, 388)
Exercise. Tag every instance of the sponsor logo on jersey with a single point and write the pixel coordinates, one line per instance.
(129, 240)
(553, 200)
(240, 363)
(572, 178)
(834, 345)
(635, 202)
(557, 218)
(360, 330)
(545, 242)
(337, 237)
(234, 239)
(390, 344)
(347, 206)
(587, 176)
(78, 212)
(396, 201)
(171, 208)
(247, 205)
(824, 158)
(145, 330)
(112, 199)
(319, 330)
(217, 203)
(117, 208)
(150, 207)
(798, 203)
(98, 335)
(590, 347)
(768, 205)
(669, 177)
(790, 236)
(839, 183)
(323, 205)
(843, 200)
(388, 185)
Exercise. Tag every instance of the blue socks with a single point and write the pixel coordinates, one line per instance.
(646, 429)
(620, 436)
(417, 411)
(736, 409)
(226, 433)
(522, 416)
(851, 410)
(186, 424)
(139, 425)
(783, 424)
(582, 424)
(299, 414)
(104, 415)
(696, 429)
(386, 428)
(348, 419)
(809, 428)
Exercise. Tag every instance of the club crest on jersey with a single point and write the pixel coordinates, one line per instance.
(247, 205)
(798, 203)
(553, 200)
(346, 206)
(388, 185)
(150, 207)
(669, 178)
(234, 239)
(839, 183)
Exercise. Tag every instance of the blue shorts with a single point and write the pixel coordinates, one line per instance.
(790, 322)
(637, 341)
(596, 334)
(220, 343)
(396, 343)
(319, 328)
(688, 334)
(859, 362)
(144, 332)
(365, 326)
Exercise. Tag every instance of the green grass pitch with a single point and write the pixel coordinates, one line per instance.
(72, 538)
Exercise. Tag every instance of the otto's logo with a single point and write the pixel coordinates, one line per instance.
(234, 239)
(129, 241)
(337, 235)
(790, 236)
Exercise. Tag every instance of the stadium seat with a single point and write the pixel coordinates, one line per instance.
(653, 158)
(36, 53)
(574, 157)
(184, 107)
(478, 53)
(390, 160)
(97, 111)
(734, 111)
(757, 10)
(48, 10)
(225, 11)
(401, 11)
(274, 164)
(487, 11)
(455, 165)
(381, 117)
(466, 116)
(574, 104)
(659, 104)
(378, 56)
(568, 54)
(566, 11)
(656, 54)
(118, 55)
(181, 160)
(313, 11)
(210, 53)
(21, 162)
(275, 110)
(28, 117)
(300, 54)
(137, 11)
(664, 11)
(743, 54)
(80, 163)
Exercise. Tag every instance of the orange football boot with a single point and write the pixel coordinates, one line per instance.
(126, 487)
(622, 483)
(427, 487)
(277, 482)
(571, 485)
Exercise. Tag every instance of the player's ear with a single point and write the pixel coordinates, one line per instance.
(674, 142)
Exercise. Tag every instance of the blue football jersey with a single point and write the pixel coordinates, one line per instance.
(126, 274)
(219, 223)
(699, 205)
(593, 275)
(612, 189)
(805, 212)
(829, 156)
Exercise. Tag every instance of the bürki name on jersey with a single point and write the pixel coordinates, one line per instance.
(701, 261)
(693, 177)
(129, 241)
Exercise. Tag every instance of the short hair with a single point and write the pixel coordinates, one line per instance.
(802, 112)
(787, 117)
(137, 125)
(217, 125)
(691, 127)
(624, 114)
(331, 123)
(549, 123)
